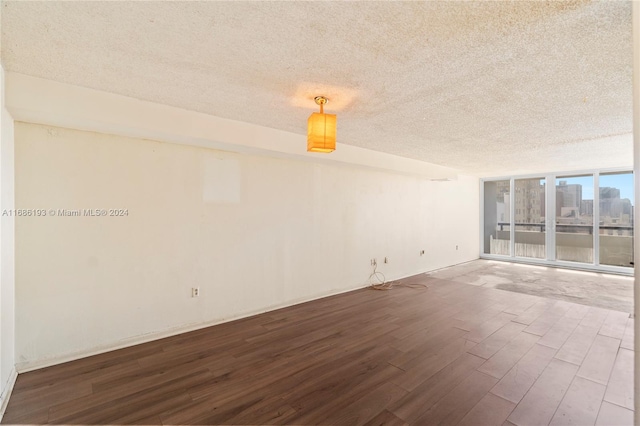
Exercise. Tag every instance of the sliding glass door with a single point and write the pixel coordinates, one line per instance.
(574, 218)
(616, 219)
(529, 218)
(497, 217)
(583, 220)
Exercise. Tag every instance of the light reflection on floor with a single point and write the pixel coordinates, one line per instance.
(587, 288)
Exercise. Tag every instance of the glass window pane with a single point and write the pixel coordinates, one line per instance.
(496, 217)
(616, 219)
(529, 219)
(574, 218)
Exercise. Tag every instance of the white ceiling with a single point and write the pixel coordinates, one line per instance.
(487, 87)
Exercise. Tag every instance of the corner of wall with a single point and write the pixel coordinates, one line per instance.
(7, 251)
(7, 388)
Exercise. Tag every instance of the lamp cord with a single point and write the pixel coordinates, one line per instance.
(383, 285)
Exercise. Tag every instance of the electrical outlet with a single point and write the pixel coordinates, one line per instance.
(373, 262)
(421, 252)
(195, 292)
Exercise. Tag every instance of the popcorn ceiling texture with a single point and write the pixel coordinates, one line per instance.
(486, 87)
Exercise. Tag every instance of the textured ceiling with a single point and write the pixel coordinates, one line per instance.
(486, 87)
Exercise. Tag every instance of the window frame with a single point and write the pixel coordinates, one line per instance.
(550, 221)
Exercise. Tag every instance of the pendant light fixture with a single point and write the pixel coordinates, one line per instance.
(321, 129)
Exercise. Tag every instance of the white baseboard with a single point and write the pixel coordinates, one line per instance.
(26, 366)
(6, 391)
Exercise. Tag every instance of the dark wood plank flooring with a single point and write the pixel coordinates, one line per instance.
(450, 354)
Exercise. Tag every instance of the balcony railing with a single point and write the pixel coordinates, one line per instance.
(574, 242)
(568, 227)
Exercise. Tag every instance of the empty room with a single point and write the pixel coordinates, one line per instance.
(310, 212)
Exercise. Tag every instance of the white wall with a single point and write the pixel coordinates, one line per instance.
(252, 232)
(636, 171)
(7, 270)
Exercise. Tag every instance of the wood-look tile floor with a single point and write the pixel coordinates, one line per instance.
(450, 354)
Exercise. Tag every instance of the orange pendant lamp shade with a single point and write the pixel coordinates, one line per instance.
(321, 129)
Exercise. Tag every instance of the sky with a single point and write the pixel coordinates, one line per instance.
(624, 182)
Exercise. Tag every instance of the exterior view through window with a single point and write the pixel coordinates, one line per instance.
(497, 235)
(616, 219)
(574, 218)
(585, 219)
(529, 218)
